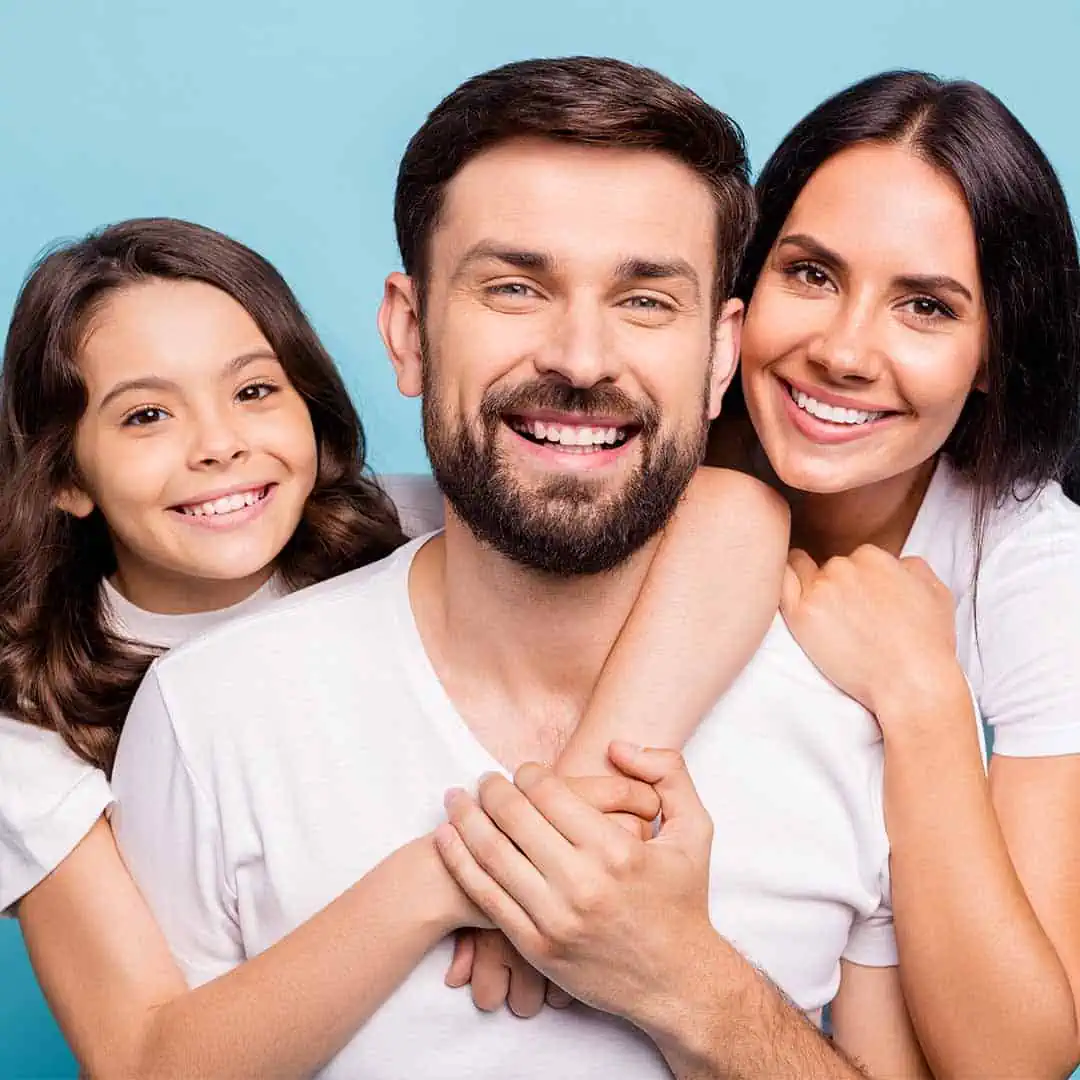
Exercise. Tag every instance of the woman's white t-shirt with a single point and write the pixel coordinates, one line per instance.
(49, 797)
(1023, 660)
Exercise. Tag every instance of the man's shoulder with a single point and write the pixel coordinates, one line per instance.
(307, 620)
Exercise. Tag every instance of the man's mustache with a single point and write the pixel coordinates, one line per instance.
(560, 396)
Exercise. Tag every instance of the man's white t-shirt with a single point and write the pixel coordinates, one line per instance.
(1023, 661)
(49, 796)
(269, 765)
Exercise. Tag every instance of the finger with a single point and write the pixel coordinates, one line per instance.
(791, 591)
(528, 987)
(799, 573)
(487, 894)
(491, 971)
(680, 807)
(461, 964)
(802, 565)
(557, 997)
(574, 818)
(540, 842)
(920, 569)
(616, 795)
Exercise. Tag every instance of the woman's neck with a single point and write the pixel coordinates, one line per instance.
(880, 514)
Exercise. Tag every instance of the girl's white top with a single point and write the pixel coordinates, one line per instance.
(49, 797)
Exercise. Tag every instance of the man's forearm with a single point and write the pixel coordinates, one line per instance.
(729, 1022)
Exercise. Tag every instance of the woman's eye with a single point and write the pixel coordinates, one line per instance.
(256, 392)
(809, 274)
(142, 417)
(926, 307)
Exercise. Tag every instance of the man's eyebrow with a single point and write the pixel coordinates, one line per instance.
(929, 283)
(162, 385)
(541, 262)
(638, 269)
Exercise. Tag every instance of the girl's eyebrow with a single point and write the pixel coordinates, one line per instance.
(161, 385)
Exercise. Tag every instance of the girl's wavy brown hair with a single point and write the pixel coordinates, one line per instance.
(61, 665)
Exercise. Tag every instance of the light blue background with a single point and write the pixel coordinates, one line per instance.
(282, 121)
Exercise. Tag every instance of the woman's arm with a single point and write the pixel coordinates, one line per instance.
(124, 1007)
(985, 876)
(710, 595)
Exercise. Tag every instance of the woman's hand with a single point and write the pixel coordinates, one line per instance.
(881, 628)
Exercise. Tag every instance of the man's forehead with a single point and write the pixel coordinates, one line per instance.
(564, 199)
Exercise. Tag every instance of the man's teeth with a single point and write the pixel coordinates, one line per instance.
(834, 413)
(227, 504)
(571, 434)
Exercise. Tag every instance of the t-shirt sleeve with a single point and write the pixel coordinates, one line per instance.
(872, 938)
(169, 834)
(1028, 612)
(49, 800)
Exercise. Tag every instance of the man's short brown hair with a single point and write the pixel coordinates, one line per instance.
(591, 101)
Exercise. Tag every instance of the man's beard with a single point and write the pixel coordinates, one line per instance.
(566, 525)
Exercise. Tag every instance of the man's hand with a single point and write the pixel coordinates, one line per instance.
(495, 970)
(616, 921)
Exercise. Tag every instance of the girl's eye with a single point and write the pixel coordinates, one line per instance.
(807, 273)
(256, 391)
(151, 414)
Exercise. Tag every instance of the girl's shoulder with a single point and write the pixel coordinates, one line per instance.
(49, 800)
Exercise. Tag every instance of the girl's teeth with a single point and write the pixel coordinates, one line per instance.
(835, 414)
(227, 504)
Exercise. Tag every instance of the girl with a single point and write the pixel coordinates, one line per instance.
(911, 369)
(177, 449)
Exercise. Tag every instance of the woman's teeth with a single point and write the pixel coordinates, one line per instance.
(835, 414)
(571, 435)
(227, 504)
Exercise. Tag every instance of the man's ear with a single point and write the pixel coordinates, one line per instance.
(399, 328)
(74, 501)
(727, 337)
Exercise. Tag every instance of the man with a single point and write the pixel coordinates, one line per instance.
(569, 231)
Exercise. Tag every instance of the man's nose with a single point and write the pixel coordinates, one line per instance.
(580, 348)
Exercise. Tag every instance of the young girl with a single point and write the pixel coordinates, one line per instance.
(176, 449)
(911, 368)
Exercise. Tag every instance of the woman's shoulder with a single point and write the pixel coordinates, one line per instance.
(1036, 532)
(49, 800)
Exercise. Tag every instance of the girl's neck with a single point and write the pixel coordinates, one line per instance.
(880, 514)
(167, 594)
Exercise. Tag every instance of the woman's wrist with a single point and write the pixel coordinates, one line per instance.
(926, 704)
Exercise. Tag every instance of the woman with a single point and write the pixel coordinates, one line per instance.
(177, 449)
(911, 368)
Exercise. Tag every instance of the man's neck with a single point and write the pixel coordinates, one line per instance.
(518, 652)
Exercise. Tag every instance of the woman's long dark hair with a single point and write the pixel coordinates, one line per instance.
(61, 665)
(1024, 431)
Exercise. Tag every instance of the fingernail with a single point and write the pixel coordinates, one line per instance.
(626, 747)
(450, 795)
